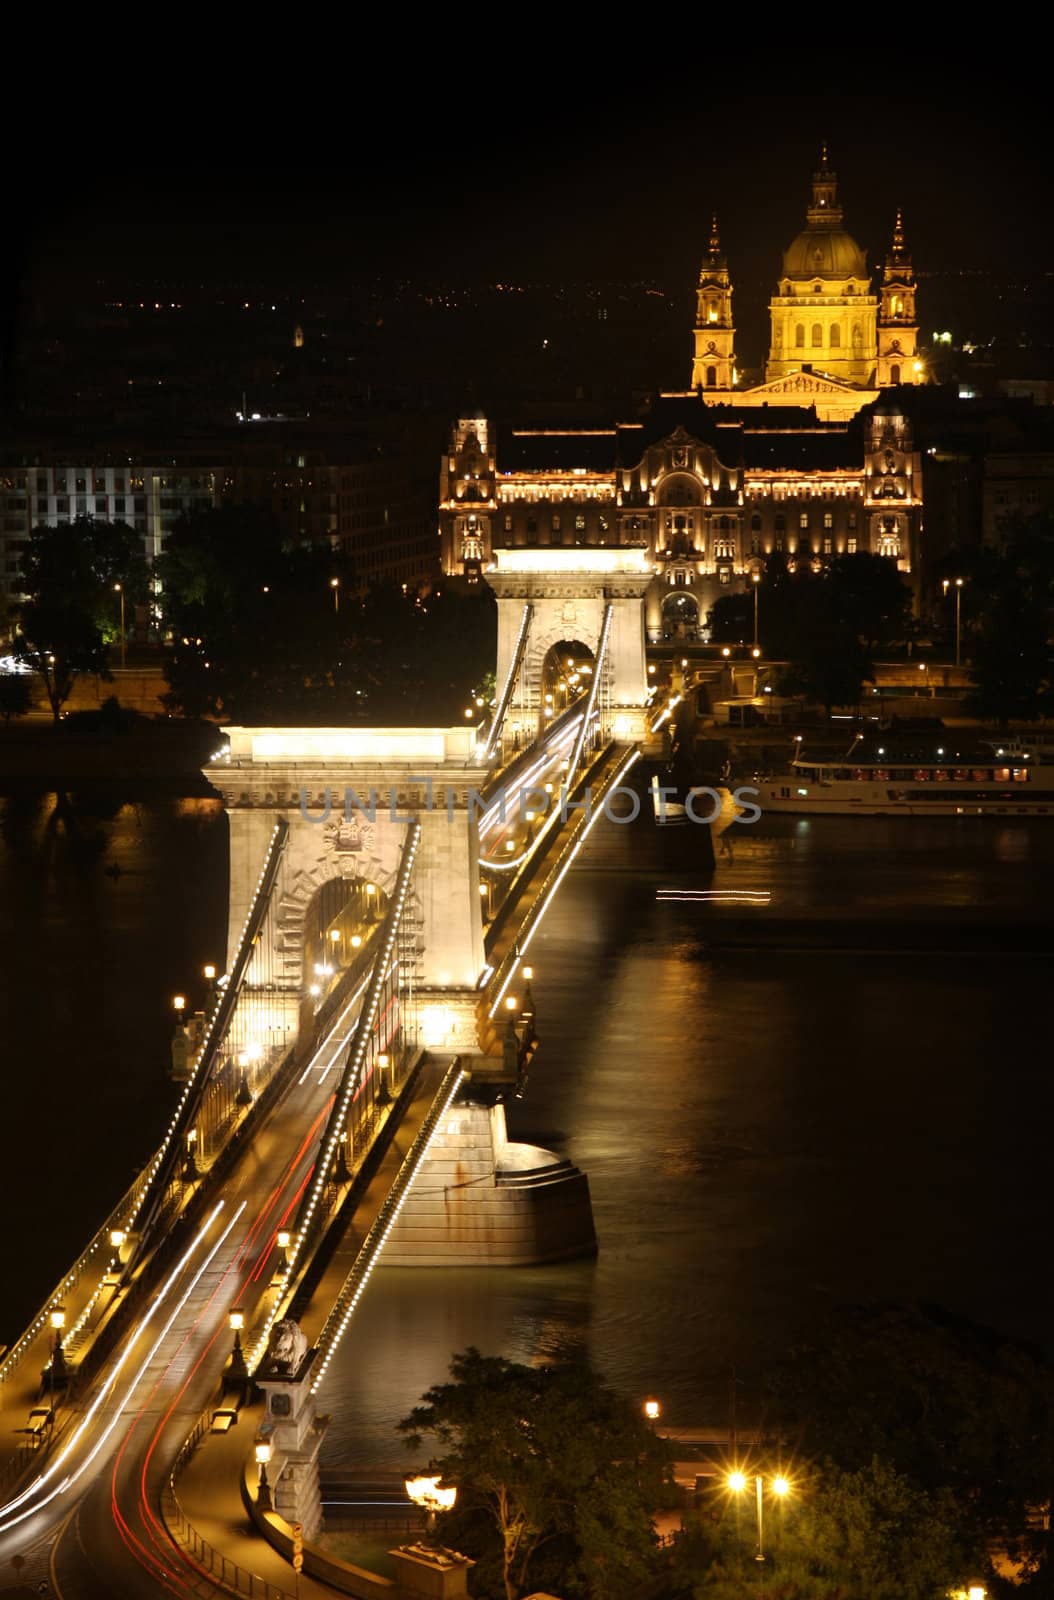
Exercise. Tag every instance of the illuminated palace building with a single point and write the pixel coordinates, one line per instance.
(816, 461)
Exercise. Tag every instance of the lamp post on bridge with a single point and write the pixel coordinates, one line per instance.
(57, 1364)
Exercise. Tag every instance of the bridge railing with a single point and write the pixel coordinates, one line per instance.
(99, 1255)
(175, 1148)
(218, 1568)
(370, 1250)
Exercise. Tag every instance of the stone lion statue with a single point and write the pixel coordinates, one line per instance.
(288, 1346)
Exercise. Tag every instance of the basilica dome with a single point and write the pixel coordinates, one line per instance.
(820, 252)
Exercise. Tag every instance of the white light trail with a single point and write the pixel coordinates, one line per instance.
(34, 1488)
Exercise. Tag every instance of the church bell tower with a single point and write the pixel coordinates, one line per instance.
(714, 366)
(898, 329)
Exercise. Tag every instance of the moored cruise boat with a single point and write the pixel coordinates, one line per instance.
(925, 774)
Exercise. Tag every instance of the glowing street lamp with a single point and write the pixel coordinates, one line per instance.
(119, 589)
(755, 578)
(263, 1456)
(57, 1364)
(238, 1371)
(384, 1094)
(652, 1410)
(334, 584)
(737, 1482)
(431, 1496)
(179, 1004)
(946, 584)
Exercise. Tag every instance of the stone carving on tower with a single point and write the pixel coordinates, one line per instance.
(897, 322)
(824, 316)
(714, 364)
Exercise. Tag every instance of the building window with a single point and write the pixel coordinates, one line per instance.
(755, 547)
(852, 519)
(850, 545)
(799, 335)
(894, 373)
(836, 337)
(817, 334)
(725, 574)
(828, 519)
(602, 523)
(777, 543)
(580, 522)
(508, 524)
(828, 546)
(711, 377)
(556, 522)
(803, 521)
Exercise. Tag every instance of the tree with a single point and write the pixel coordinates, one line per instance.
(868, 596)
(557, 1476)
(71, 574)
(16, 695)
(261, 633)
(869, 1532)
(950, 1405)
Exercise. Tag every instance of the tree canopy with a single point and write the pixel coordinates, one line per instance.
(73, 576)
(265, 631)
(557, 1477)
(827, 625)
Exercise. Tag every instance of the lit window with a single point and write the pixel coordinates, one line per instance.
(799, 334)
(817, 334)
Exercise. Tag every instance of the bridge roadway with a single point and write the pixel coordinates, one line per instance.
(94, 1498)
(92, 1505)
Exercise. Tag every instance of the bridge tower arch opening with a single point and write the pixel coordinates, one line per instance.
(572, 596)
(566, 673)
(680, 616)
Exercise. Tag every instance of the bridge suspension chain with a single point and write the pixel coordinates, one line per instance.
(365, 1047)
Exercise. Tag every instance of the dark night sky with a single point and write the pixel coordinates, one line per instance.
(564, 184)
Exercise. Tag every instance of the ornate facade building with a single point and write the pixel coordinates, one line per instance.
(817, 461)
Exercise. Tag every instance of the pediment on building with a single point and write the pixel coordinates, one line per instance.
(798, 383)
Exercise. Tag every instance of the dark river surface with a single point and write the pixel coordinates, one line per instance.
(853, 1102)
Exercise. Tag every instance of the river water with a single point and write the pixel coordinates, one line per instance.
(843, 1093)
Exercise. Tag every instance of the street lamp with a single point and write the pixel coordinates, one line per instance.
(263, 1456)
(119, 589)
(190, 1171)
(384, 1094)
(946, 585)
(428, 1493)
(334, 584)
(737, 1482)
(239, 1372)
(57, 1365)
(755, 578)
(179, 1004)
(652, 1410)
(283, 1239)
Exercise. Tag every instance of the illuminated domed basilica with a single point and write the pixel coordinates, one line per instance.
(833, 344)
(816, 462)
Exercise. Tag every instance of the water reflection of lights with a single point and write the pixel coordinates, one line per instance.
(751, 897)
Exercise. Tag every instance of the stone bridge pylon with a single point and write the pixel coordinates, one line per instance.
(349, 796)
